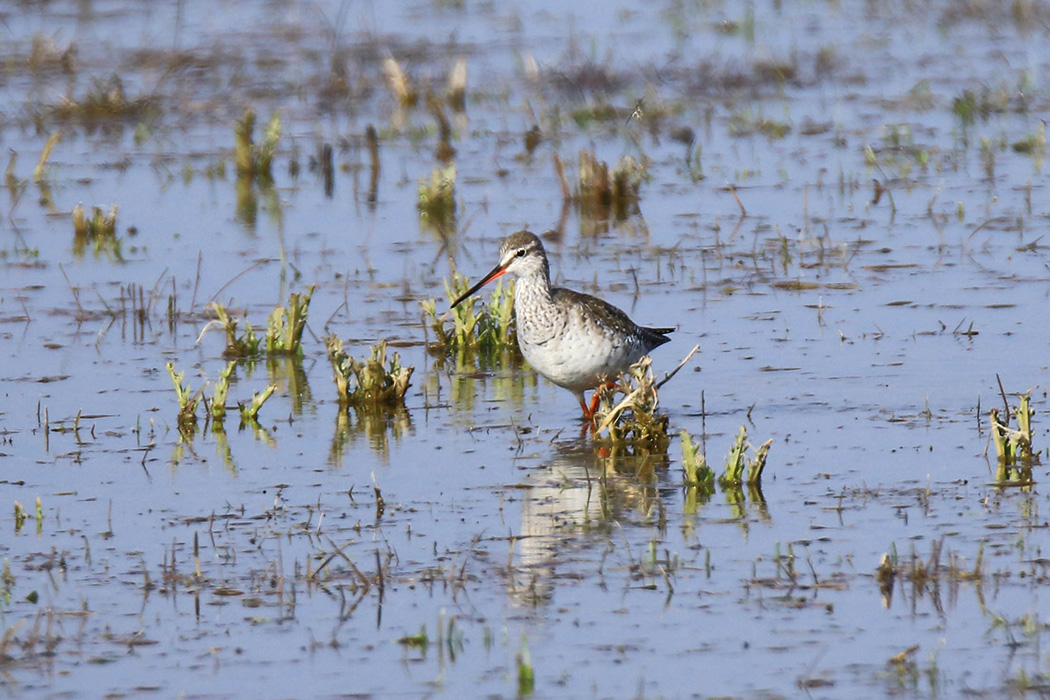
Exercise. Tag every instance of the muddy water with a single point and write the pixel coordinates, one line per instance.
(859, 326)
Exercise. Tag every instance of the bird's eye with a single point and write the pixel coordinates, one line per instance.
(521, 252)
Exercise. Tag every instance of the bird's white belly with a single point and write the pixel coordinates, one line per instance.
(578, 361)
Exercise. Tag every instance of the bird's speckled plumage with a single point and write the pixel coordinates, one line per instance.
(575, 340)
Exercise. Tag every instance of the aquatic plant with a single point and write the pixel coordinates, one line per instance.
(188, 399)
(457, 85)
(526, 673)
(20, 516)
(635, 416)
(929, 573)
(222, 389)
(40, 171)
(105, 101)
(437, 197)
(254, 161)
(399, 83)
(368, 383)
(100, 230)
(598, 189)
(490, 327)
(250, 411)
(245, 344)
(694, 464)
(284, 329)
(738, 459)
(699, 478)
(1013, 446)
(420, 640)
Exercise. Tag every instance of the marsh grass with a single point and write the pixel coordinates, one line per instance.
(188, 399)
(254, 161)
(250, 411)
(372, 383)
(244, 344)
(100, 231)
(222, 389)
(526, 673)
(694, 464)
(20, 516)
(420, 640)
(483, 330)
(400, 84)
(739, 460)
(927, 574)
(699, 478)
(106, 101)
(598, 190)
(634, 418)
(628, 408)
(1013, 446)
(284, 329)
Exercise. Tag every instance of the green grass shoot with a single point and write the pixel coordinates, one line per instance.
(222, 389)
(486, 328)
(694, 464)
(188, 399)
(250, 411)
(738, 460)
(284, 330)
(254, 161)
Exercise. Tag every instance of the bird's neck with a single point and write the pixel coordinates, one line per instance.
(533, 290)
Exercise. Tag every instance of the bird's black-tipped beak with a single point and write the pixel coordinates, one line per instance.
(496, 272)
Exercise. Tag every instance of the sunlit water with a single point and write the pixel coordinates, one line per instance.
(504, 533)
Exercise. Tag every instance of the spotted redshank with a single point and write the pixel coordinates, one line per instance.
(575, 340)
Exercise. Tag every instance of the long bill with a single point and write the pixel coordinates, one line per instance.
(496, 272)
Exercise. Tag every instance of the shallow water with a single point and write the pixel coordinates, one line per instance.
(503, 532)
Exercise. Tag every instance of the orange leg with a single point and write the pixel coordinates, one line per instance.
(588, 411)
